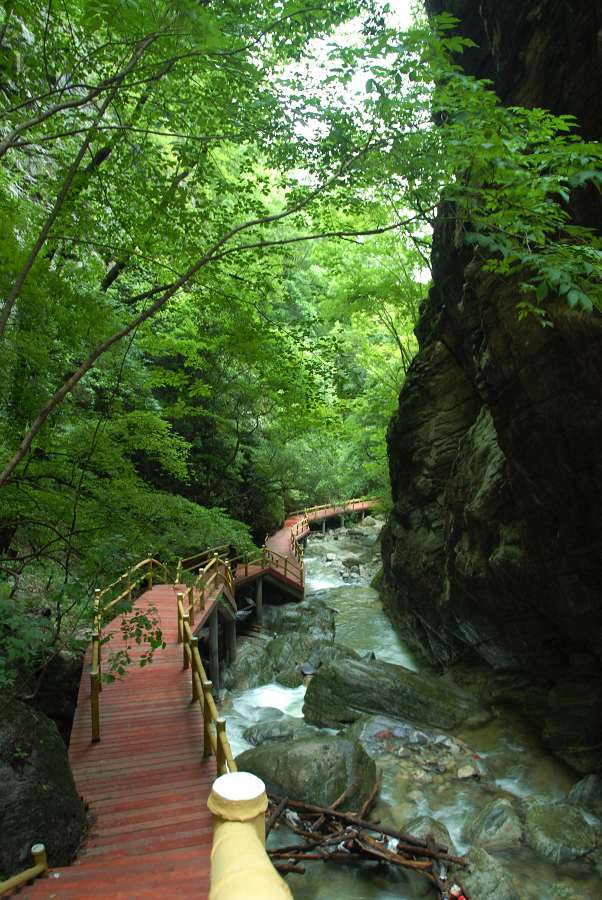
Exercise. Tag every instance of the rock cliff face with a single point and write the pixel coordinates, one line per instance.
(494, 547)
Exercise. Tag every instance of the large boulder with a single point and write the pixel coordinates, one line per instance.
(313, 769)
(39, 801)
(285, 658)
(57, 695)
(486, 878)
(315, 619)
(588, 794)
(558, 832)
(496, 827)
(425, 827)
(285, 728)
(342, 692)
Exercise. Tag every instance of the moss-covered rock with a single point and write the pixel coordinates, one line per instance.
(486, 878)
(588, 794)
(425, 827)
(313, 769)
(496, 827)
(343, 691)
(558, 832)
(39, 801)
(313, 619)
(282, 659)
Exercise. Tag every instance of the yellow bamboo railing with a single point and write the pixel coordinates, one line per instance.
(215, 739)
(39, 868)
(345, 506)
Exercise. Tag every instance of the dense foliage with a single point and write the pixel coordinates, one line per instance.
(214, 222)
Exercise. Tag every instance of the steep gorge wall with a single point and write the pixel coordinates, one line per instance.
(494, 547)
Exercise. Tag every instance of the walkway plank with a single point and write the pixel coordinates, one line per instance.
(146, 782)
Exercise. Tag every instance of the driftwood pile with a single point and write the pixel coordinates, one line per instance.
(346, 837)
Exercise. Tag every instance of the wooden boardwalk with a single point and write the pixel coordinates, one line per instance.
(146, 782)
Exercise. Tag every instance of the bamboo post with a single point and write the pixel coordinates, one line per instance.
(285, 565)
(38, 851)
(230, 629)
(180, 600)
(194, 643)
(214, 647)
(208, 691)
(202, 589)
(94, 707)
(220, 734)
(259, 600)
(239, 797)
(191, 610)
(185, 622)
(98, 630)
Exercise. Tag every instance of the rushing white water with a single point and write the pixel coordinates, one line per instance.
(514, 760)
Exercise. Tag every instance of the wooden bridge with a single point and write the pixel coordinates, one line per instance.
(146, 750)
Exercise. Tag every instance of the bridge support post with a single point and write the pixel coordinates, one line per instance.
(323, 526)
(259, 600)
(342, 518)
(230, 631)
(240, 866)
(214, 648)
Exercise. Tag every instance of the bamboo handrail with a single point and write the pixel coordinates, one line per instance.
(214, 741)
(347, 504)
(40, 867)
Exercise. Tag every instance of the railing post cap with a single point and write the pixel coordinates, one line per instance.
(238, 787)
(38, 848)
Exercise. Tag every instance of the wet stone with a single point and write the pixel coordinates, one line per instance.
(558, 832)
(497, 826)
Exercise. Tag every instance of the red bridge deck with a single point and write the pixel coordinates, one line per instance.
(146, 781)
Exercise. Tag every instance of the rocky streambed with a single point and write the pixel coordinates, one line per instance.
(329, 696)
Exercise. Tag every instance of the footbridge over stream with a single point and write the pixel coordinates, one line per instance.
(170, 815)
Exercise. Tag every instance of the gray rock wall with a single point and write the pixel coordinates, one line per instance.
(494, 547)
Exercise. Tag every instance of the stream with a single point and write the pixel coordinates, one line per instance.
(511, 760)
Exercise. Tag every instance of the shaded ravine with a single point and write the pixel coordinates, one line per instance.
(512, 760)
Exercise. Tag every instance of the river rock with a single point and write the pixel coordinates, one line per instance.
(342, 691)
(282, 659)
(380, 735)
(313, 769)
(562, 892)
(39, 799)
(485, 878)
(588, 793)
(351, 561)
(283, 729)
(425, 826)
(558, 832)
(496, 827)
(315, 619)
(369, 520)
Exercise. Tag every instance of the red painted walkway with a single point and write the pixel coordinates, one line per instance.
(146, 782)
